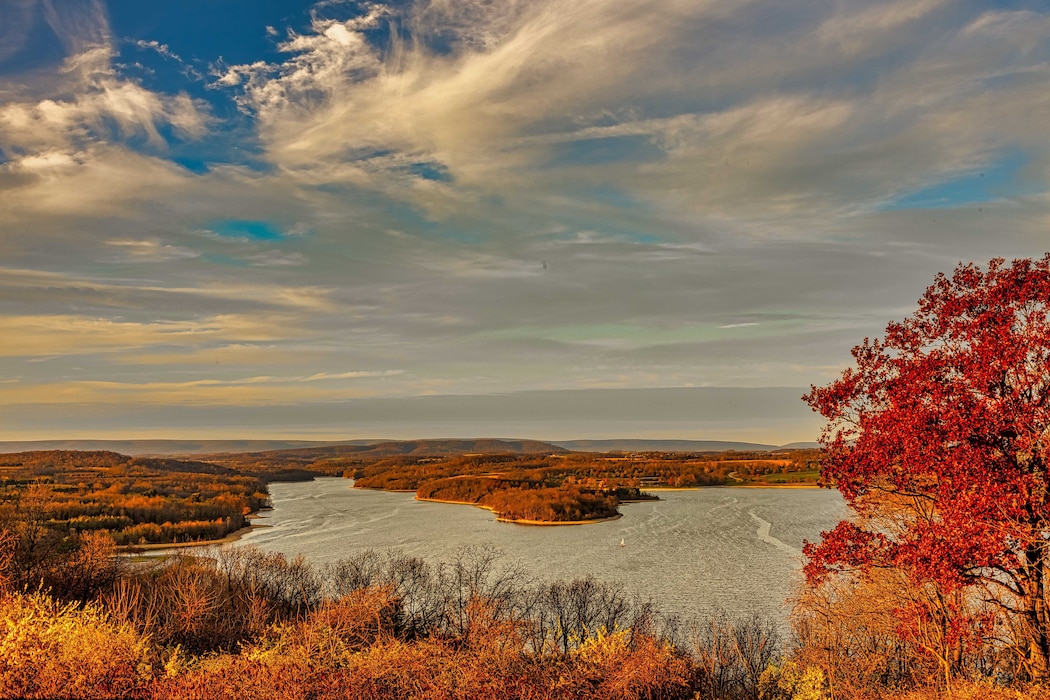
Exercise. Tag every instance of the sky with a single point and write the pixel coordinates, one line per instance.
(552, 219)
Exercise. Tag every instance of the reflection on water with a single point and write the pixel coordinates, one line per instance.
(691, 552)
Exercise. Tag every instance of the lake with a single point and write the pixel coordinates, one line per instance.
(691, 552)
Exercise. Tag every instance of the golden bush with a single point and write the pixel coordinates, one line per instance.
(49, 649)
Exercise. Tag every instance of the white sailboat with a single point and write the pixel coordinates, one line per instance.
(622, 542)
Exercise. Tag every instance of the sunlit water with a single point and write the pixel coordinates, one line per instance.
(691, 552)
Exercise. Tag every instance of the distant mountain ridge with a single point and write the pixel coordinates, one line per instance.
(390, 448)
(170, 447)
(417, 448)
(639, 445)
(106, 459)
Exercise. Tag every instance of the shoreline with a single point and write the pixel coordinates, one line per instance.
(774, 486)
(513, 521)
(543, 523)
(649, 489)
(456, 503)
(153, 546)
(748, 485)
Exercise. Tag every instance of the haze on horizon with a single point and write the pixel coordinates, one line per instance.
(535, 218)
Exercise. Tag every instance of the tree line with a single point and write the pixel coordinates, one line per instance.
(52, 499)
(570, 487)
(593, 470)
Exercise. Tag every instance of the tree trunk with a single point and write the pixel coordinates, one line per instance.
(1038, 653)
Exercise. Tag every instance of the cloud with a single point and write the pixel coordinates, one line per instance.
(758, 120)
(81, 25)
(152, 251)
(273, 258)
(211, 293)
(772, 415)
(359, 374)
(215, 390)
(102, 107)
(70, 335)
(863, 29)
(64, 134)
(253, 391)
(482, 197)
(453, 108)
(161, 49)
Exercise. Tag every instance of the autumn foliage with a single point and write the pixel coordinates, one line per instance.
(939, 439)
(52, 497)
(243, 623)
(593, 470)
(524, 501)
(559, 488)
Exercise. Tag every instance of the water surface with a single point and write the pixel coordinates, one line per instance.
(691, 552)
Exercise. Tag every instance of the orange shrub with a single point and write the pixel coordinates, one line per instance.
(621, 665)
(49, 649)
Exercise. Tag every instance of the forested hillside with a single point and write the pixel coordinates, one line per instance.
(576, 487)
(60, 497)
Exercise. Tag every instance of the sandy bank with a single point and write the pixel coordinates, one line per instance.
(560, 522)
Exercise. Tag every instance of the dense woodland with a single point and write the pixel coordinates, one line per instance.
(523, 501)
(53, 498)
(596, 470)
(577, 486)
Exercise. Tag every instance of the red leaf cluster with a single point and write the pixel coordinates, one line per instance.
(941, 430)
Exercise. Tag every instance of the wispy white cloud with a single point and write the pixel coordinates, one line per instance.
(95, 104)
(515, 80)
(358, 374)
(69, 335)
(482, 197)
(868, 28)
(253, 391)
(63, 133)
(161, 49)
(152, 251)
(273, 258)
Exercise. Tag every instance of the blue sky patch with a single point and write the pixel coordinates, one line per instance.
(995, 181)
(40, 49)
(232, 29)
(431, 171)
(245, 228)
(599, 151)
(194, 165)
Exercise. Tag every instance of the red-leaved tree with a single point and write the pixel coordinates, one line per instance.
(939, 440)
